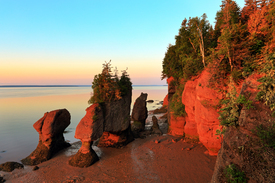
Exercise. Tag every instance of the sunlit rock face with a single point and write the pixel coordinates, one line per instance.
(165, 101)
(242, 145)
(108, 122)
(139, 114)
(201, 121)
(50, 128)
(206, 113)
(90, 128)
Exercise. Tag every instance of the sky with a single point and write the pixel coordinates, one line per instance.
(65, 42)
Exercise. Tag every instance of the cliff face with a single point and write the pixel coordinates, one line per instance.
(246, 152)
(245, 146)
(201, 120)
(202, 115)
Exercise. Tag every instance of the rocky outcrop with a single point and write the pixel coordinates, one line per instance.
(242, 145)
(155, 128)
(108, 122)
(165, 101)
(189, 100)
(2, 179)
(10, 166)
(51, 140)
(201, 120)
(206, 114)
(176, 125)
(116, 140)
(117, 119)
(117, 114)
(139, 114)
(89, 129)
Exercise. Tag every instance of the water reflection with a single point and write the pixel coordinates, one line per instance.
(21, 109)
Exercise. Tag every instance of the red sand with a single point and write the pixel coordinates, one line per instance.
(143, 160)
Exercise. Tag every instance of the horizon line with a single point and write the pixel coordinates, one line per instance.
(3, 86)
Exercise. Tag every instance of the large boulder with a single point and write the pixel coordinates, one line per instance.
(139, 114)
(51, 140)
(243, 151)
(89, 129)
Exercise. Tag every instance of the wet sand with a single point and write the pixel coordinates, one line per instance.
(143, 160)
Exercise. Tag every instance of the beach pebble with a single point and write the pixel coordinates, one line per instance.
(174, 141)
(188, 149)
(156, 141)
(35, 168)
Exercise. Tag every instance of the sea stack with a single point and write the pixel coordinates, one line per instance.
(139, 114)
(51, 140)
(89, 129)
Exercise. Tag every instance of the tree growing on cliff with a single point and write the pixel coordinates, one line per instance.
(188, 55)
(109, 87)
(233, 36)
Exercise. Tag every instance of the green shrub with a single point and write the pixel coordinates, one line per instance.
(229, 114)
(108, 87)
(267, 86)
(234, 175)
(231, 107)
(266, 135)
(176, 104)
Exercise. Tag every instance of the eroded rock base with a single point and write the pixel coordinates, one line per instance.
(84, 160)
(43, 153)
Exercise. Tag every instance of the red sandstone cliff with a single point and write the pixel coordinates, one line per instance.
(202, 115)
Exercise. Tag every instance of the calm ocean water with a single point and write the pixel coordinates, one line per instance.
(21, 107)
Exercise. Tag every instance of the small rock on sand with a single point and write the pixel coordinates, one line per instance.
(10, 166)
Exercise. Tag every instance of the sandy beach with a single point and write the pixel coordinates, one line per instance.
(152, 159)
(143, 160)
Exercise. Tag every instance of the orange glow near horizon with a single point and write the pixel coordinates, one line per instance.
(74, 72)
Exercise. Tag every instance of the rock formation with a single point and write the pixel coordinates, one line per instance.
(117, 122)
(89, 129)
(165, 101)
(108, 122)
(50, 128)
(242, 146)
(201, 121)
(155, 128)
(10, 166)
(139, 114)
(2, 179)
(176, 123)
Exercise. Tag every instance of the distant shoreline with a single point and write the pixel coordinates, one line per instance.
(12, 86)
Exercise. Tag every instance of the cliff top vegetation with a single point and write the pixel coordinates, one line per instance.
(109, 87)
(241, 42)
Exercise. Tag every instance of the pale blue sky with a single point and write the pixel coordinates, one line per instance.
(66, 42)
